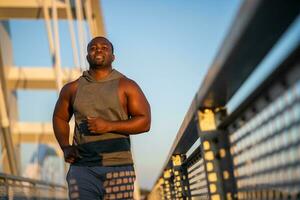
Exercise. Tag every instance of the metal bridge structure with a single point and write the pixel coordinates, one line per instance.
(229, 146)
(252, 150)
(85, 19)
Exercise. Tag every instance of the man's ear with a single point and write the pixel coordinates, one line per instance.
(113, 58)
(87, 57)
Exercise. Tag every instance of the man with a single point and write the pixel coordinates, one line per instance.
(108, 107)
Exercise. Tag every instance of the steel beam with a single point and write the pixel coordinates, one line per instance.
(33, 9)
(30, 9)
(6, 136)
(97, 19)
(81, 33)
(251, 37)
(72, 33)
(35, 131)
(8, 103)
(57, 60)
(38, 77)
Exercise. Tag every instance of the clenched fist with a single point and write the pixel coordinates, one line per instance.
(71, 153)
(98, 125)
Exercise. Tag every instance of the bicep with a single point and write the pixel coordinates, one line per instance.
(137, 103)
(63, 108)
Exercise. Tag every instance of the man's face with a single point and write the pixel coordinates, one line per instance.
(100, 53)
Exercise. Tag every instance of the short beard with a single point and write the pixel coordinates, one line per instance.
(94, 65)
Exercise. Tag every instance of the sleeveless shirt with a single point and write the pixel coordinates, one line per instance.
(99, 98)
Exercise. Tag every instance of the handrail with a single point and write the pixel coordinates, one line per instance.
(29, 180)
(239, 50)
(21, 187)
(257, 22)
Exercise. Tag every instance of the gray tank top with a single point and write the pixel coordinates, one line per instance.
(100, 99)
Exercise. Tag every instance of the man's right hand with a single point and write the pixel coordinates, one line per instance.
(71, 153)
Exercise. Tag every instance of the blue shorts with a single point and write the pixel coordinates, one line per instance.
(99, 182)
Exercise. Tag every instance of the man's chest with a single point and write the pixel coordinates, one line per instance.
(99, 97)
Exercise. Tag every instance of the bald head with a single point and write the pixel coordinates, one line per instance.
(100, 38)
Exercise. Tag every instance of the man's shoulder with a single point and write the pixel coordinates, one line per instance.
(125, 81)
(128, 85)
(71, 85)
(70, 88)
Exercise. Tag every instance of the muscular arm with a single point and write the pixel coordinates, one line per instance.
(62, 115)
(138, 110)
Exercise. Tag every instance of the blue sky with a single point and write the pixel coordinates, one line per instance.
(165, 46)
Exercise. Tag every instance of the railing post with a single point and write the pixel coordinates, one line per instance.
(36, 192)
(52, 192)
(6, 187)
(181, 183)
(216, 156)
(160, 187)
(168, 186)
(157, 191)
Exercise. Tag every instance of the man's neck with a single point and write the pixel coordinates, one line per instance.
(100, 73)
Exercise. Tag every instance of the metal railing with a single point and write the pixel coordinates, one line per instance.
(15, 187)
(252, 152)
